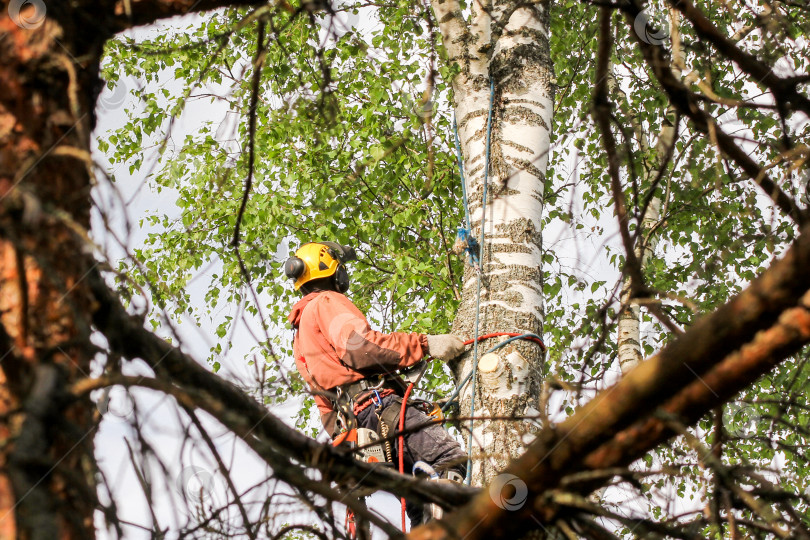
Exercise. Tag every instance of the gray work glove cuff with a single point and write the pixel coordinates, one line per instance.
(445, 346)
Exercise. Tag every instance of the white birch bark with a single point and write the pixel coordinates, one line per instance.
(629, 330)
(511, 46)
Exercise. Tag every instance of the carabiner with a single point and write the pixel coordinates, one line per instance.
(379, 385)
(376, 398)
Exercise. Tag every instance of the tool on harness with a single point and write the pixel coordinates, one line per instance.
(344, 407)
(362, 442)
(435, 412)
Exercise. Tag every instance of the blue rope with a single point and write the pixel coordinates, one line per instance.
(468, 479)
(464, 235)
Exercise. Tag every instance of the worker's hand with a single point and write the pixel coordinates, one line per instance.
(444, 346)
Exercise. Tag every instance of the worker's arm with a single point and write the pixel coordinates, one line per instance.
(361, 348)
(328, 415)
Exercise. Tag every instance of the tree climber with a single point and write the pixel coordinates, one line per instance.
(340, 356)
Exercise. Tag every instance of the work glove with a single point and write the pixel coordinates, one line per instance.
(444, 346)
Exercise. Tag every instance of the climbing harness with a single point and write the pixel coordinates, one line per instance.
(363, 441)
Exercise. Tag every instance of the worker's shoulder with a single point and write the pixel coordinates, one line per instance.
(332, 299)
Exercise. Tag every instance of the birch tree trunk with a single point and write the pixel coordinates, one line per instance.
(629, 329)
(510, 48)
(629, 326)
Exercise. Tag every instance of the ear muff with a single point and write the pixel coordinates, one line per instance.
(341, 279)
(294, 267)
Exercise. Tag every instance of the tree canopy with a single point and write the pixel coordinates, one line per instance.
(337, 122)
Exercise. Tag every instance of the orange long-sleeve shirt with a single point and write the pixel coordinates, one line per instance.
(334, 345)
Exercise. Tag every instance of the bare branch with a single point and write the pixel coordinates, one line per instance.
(688, 105)
(258, 63)
(783, 89)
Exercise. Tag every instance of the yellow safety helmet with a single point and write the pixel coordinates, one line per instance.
(316, 260)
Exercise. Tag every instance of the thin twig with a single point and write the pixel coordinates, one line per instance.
(258, 62)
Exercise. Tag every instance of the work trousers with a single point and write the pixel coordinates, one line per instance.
(432, 444)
